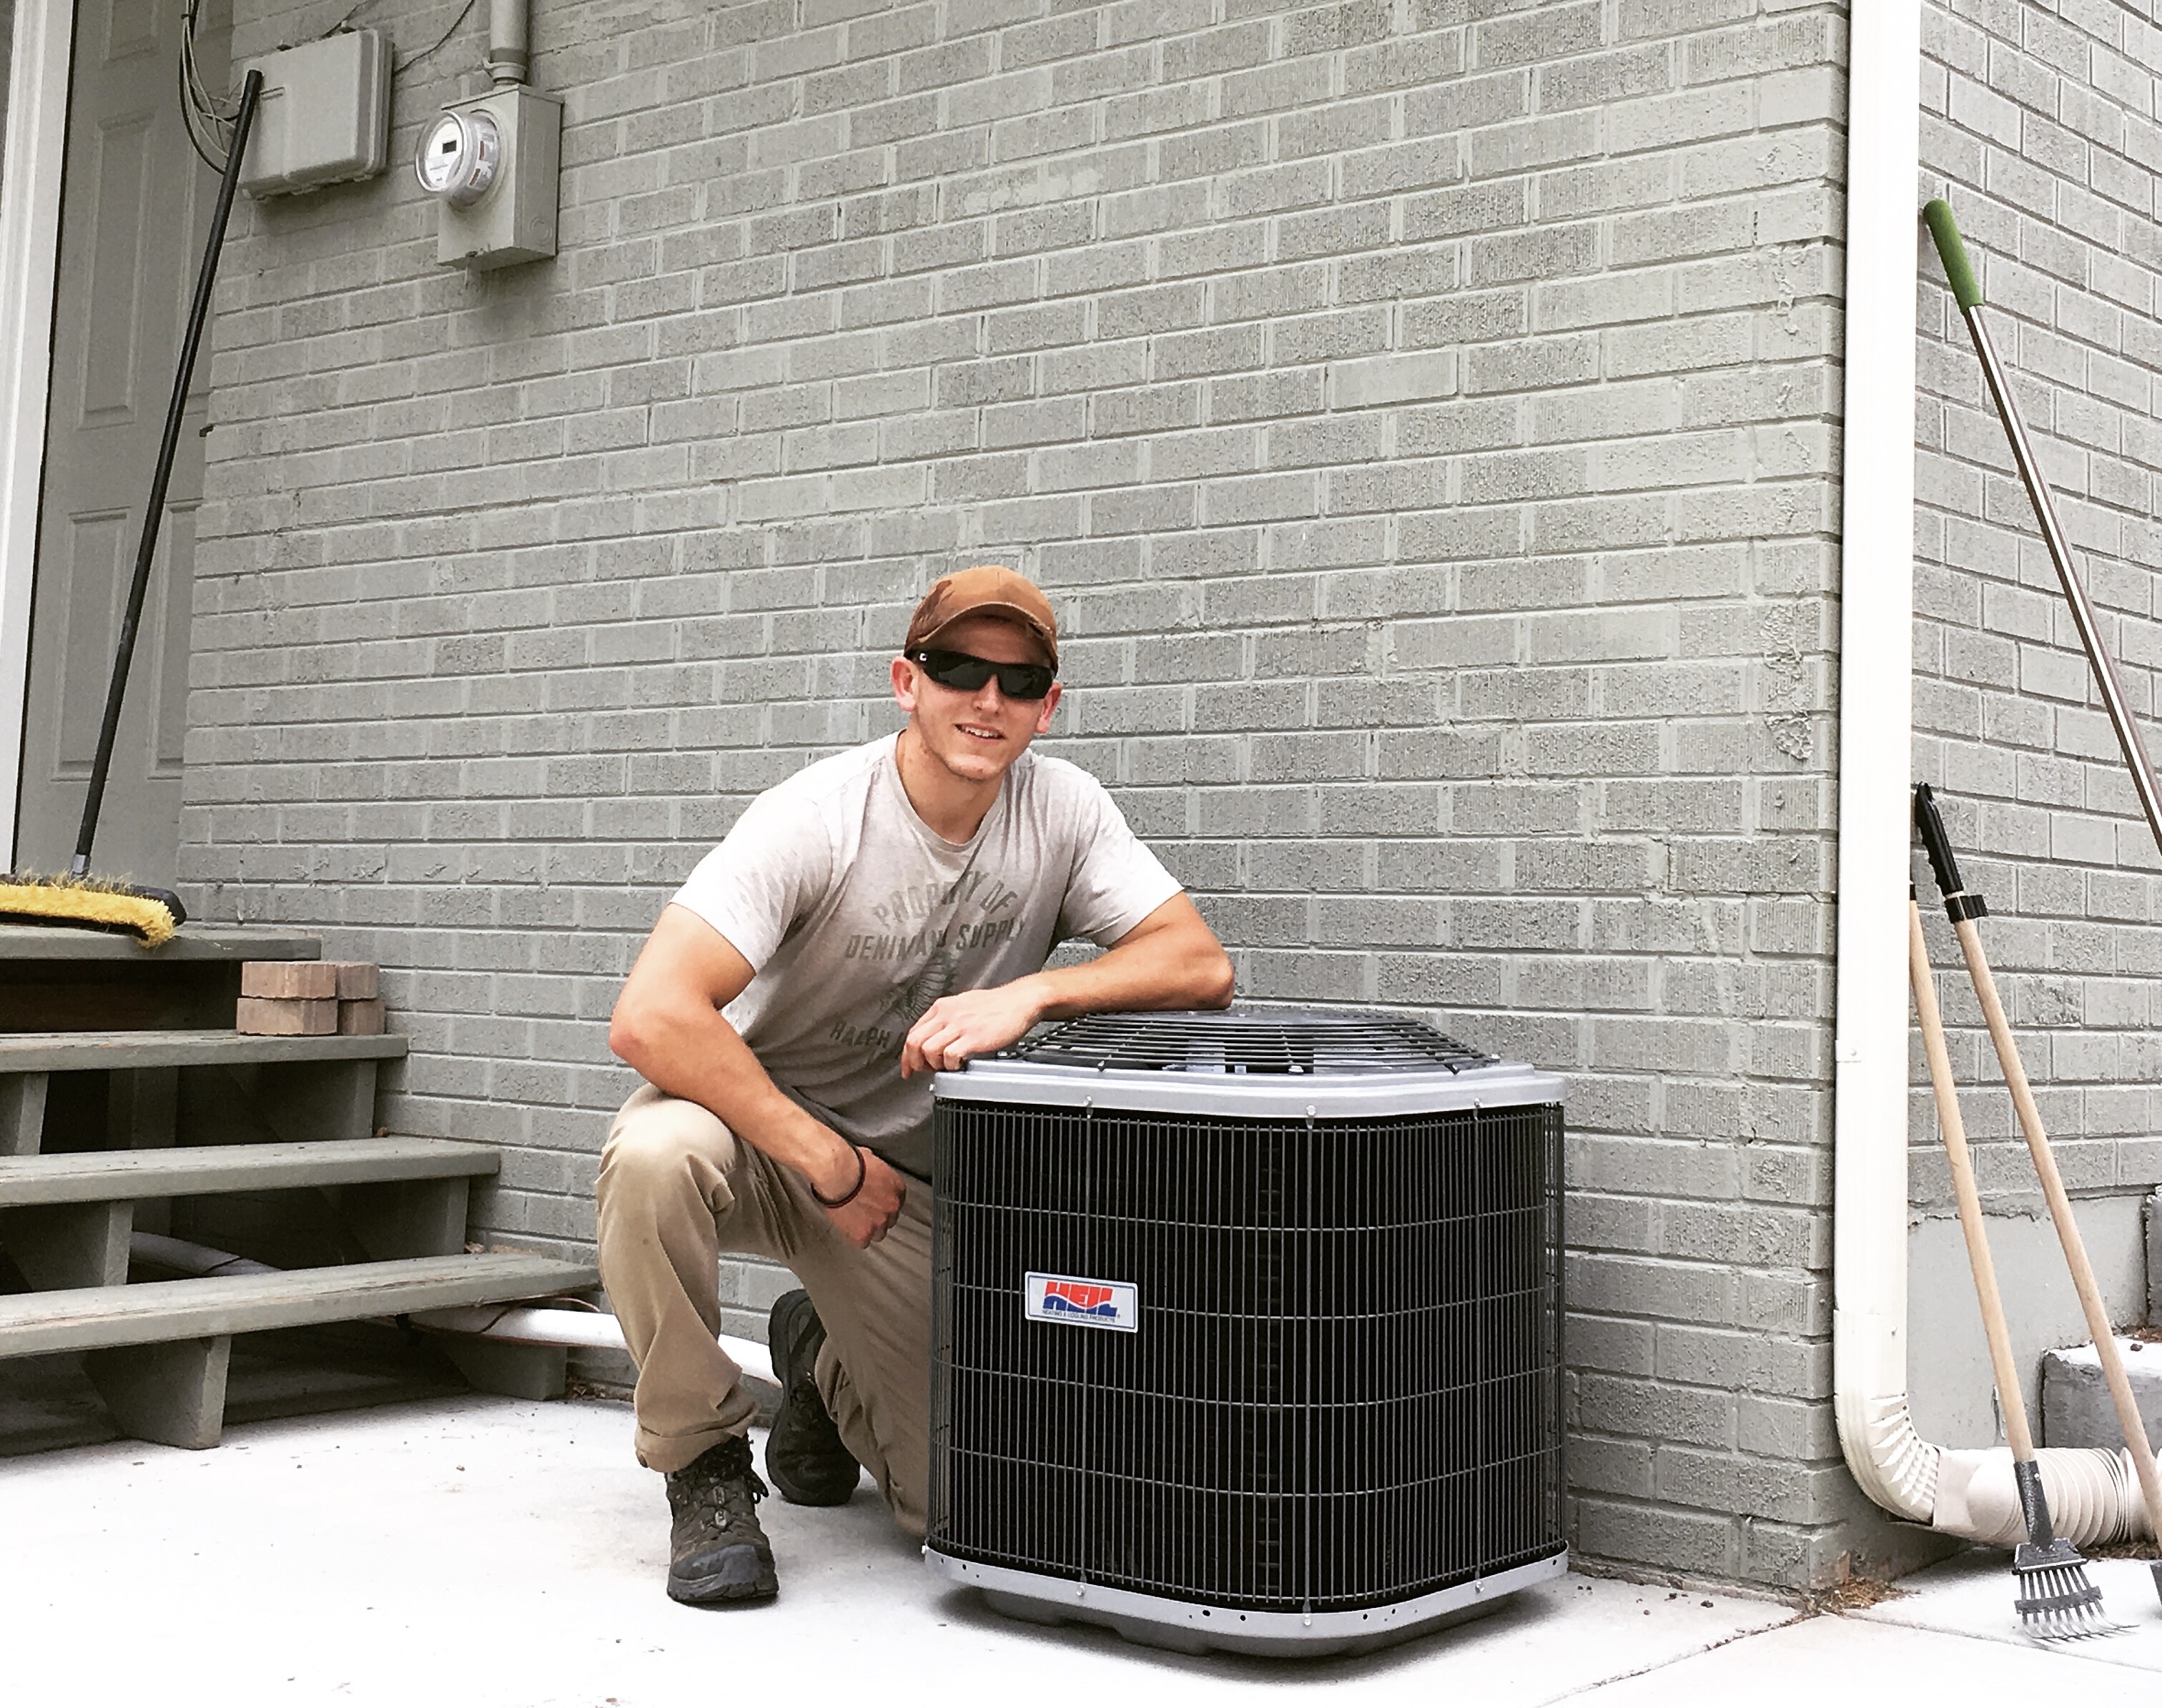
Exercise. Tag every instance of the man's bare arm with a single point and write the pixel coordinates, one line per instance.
(1171, 959)
(668, 1025)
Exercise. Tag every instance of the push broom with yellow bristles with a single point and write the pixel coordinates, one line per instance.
(77, 898)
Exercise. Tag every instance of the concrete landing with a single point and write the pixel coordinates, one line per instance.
(482, 1552)
(1971, 1596)
(1853, 1661)
(192, 942)
(2077, 1407)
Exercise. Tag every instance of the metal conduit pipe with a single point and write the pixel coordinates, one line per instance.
(2094, 1495)
(529, 1325)
(509, 41)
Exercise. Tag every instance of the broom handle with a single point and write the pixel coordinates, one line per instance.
(1966, 290)
(123, 652)
(2068, 1230)
(2001, 1364)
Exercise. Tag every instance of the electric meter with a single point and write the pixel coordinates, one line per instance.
(459, 157)
(494, 165)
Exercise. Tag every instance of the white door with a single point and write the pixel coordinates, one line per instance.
(134, 209)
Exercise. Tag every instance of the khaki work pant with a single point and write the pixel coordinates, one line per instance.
(677, 1190)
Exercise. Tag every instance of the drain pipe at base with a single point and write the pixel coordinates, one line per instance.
(544, 1325)
(525, 1325)
(2094, 1495)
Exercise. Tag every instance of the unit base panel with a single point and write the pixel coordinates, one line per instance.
(1191, 1628)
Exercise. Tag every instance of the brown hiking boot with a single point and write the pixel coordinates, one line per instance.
(718, 1554)
(803, 1453)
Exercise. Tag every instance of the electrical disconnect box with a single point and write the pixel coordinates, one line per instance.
(325, 115)
(492, 165)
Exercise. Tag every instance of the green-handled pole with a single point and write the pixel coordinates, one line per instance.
(1967, 291)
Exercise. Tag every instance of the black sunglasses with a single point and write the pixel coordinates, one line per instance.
(967, 673)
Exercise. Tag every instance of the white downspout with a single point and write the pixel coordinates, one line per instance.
(1876, 694)
(1968, 1492)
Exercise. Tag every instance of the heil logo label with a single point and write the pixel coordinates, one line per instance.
(1071, 1298)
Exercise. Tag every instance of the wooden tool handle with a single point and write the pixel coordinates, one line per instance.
(2068, 1230)
(2001, 1364)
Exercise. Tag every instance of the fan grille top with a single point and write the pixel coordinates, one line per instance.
(1247, 1041)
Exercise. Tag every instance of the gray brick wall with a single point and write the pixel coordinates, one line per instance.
(1421, 415)
(2044, 128)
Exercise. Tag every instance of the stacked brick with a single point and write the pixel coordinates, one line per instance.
(1421, 415)
(308, 998)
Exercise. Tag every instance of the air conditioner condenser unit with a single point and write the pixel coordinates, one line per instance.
(1246, 1328)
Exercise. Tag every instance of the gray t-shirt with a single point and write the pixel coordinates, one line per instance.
(856, 917)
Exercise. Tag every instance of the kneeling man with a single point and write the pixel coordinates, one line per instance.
(878, 917)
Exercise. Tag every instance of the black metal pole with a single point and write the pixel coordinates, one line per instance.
(123, 654)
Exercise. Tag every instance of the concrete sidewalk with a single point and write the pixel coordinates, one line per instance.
(482, 1552)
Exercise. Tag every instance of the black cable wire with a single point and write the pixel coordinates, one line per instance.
(200, 110)
(187, 122)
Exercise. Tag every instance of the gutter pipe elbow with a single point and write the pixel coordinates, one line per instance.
(1894, 1465)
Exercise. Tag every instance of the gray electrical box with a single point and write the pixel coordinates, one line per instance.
(494, 163)
(325, 115)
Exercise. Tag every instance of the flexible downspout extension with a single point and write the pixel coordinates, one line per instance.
(2093, 1494)
(509, 42)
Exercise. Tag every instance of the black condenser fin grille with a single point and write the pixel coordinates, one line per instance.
(1343, 1388)
(1247, 1041)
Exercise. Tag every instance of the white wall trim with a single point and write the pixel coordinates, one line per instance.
(29, 253)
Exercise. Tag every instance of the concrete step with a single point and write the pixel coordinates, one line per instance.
(54, 979)
(93, 1052)
(98, 1177)
(158, 1351)
(2076, 1408)
(310, 1088)
(193, 941)
(82, 1319)
(67, 1218)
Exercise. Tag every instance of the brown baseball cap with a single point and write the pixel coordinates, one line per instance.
(988, 590)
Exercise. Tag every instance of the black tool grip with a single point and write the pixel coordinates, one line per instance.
(1959, 903)
(2033, 1503)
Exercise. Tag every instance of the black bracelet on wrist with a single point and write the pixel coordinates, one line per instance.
(863, 1168)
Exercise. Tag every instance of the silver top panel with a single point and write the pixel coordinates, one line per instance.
(1324, 1095)
(1250, 1062)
